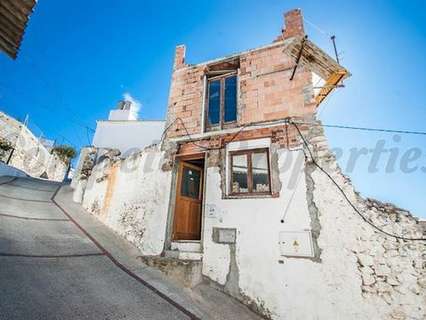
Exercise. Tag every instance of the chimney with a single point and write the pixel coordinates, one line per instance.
(179, 57)
(293, 24)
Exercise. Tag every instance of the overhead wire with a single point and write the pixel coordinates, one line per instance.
(193, 141)
(364, 128)
(345, 195)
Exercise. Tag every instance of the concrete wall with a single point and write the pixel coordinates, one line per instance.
(30, 155)
(131, 196)
(127, 136)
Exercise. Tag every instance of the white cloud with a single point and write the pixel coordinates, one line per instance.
(136, 105)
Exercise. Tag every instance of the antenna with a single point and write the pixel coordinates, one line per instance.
(333, 39)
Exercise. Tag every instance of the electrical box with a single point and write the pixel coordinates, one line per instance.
(296, 243)
(224, 235)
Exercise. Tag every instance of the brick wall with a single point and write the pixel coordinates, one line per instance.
(185, 100)
(293, 24)
(265, 92)
(284, 136)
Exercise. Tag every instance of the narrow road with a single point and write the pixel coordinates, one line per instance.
(53, 268)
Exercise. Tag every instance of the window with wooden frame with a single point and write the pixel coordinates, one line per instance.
(250, 172)
(221, 102)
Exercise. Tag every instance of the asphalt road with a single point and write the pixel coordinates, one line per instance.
(52, 268)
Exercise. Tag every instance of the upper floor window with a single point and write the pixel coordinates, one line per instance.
(221, 104)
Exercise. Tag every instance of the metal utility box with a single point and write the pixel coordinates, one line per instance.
(296, 243)
(224, 235)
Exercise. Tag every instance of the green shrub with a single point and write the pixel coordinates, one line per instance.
(5, 145)
(64, 152)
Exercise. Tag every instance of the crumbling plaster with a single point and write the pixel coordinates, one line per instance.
(385, 275)
(258, 223)
(356, 273)
(131, 196)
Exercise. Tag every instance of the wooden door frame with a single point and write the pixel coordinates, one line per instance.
(174, 194)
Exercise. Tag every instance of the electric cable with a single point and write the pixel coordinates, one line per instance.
(192, 141)
(345, 196)
(364, 128)
(305, 142)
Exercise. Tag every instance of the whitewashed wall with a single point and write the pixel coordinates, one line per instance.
(261, 278)
(127, 135)
(131, 196)
(360, 274)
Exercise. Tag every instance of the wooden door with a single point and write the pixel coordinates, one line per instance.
(189, 195)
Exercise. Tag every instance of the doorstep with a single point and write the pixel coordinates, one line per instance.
(184, 255)
(192, 246)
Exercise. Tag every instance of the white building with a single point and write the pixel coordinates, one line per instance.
(123, 130)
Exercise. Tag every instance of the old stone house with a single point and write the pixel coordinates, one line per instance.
(236, 193)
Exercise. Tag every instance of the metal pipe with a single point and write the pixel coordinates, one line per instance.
(298, 57)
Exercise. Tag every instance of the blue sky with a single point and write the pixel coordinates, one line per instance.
(77, 60)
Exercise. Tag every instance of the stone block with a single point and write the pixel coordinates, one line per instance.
(422, 282)
(368, 279)
(392, 281)
(383, 287)
(382, 270)
(365, 260)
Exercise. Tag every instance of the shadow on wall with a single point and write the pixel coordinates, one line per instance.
(9, 171)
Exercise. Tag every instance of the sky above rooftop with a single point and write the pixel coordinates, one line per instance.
(78, 60)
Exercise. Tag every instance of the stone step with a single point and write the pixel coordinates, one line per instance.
(185, 272)
(184, 255)
(193, 246)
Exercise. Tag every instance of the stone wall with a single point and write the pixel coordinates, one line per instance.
(29, 154)
(389, 274)
(129, 195)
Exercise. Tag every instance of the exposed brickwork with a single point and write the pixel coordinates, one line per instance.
(285, 136)
(185, 101)
(293, 24)
(179, 57)
(265, 92)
